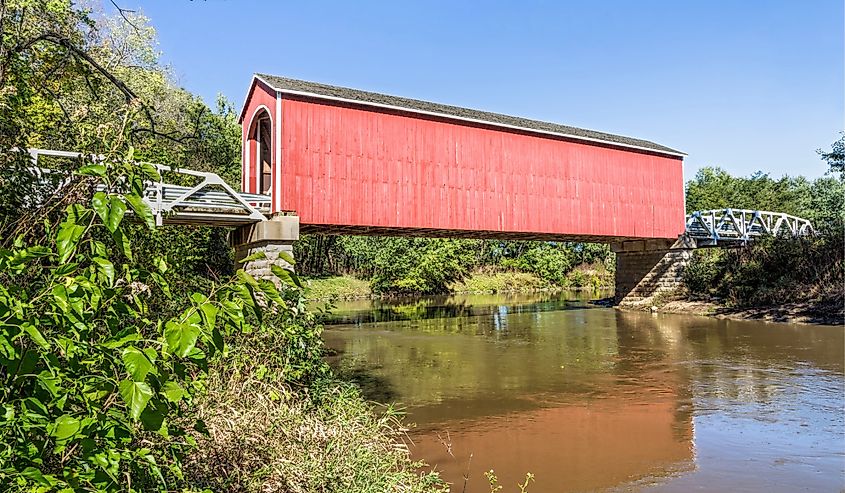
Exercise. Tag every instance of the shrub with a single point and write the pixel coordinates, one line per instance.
(772, 271)
(550, 262)
(97, 389)
(413, 265)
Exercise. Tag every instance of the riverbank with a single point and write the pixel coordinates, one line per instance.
(810, 313)
(483, 281)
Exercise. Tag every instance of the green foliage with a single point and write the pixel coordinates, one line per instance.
(822, 200)
(835, 159)
(412, 265)
(549, 261)
(772, 271)
(96, 387)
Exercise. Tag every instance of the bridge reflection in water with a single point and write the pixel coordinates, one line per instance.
(589, 398)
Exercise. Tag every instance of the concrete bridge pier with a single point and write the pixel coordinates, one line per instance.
(271, 237)
(646, 268)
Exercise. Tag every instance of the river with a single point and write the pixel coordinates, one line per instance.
(596, 399)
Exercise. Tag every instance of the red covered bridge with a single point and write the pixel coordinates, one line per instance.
(357, 162)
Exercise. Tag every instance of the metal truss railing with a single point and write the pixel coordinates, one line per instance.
(719, 226)
(209, 201)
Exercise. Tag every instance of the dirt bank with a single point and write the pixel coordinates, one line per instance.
(829, 313)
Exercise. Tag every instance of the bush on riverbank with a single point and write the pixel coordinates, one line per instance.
(771, 271)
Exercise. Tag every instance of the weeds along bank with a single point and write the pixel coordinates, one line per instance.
(134, 358)
(781, 279)
(485, 280)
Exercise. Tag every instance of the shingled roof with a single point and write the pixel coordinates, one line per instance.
(317, 90)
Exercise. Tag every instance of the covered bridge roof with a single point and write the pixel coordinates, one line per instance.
(344, 94)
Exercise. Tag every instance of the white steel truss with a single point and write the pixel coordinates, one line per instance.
(210, 201)
(725, 226)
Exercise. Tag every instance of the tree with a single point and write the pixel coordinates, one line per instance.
(835, 159)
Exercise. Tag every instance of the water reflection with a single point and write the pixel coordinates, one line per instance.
(589, 398)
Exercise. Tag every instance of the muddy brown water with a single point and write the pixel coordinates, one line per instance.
(595, 399)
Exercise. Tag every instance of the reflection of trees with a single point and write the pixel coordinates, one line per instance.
(452, 306)
(739, 361)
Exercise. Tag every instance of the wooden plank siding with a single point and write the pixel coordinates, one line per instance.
(350, 168)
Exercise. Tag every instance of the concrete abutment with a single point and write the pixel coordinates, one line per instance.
(647, 268)
(271, 237)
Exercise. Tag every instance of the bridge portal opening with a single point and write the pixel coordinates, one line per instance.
(261, 139)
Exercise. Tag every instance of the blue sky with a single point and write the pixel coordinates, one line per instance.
(745, 85)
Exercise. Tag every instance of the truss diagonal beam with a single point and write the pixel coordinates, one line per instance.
(730, 226)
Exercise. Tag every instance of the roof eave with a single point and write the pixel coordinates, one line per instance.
(671, 152)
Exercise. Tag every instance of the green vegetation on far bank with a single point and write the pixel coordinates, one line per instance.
(594, 276)
(420, 266)
(340, 287)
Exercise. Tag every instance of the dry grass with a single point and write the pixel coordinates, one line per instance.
(268, 439)
(340, 287)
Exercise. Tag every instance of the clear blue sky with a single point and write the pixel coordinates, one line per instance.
(745, 85)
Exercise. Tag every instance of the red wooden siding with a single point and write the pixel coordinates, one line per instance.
(361, 167)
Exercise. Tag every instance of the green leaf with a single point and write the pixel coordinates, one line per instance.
(209, 314)
(245, 293)
(24, 255)
(67, 238)
(92, 170)
(287, 258)
(100, 204)
(286, 276)
(137, 363)
(122, 337)
(173, 391)
(247, 278)
(136, 395)
(35, 335)
(141, 209)
(49, 382)
(150, 171)
(269, 289)
(65, 428)
(181, 337)
(106, 267)
(110, 209)
(34, 474)
(122, 243)
(153, 417)
(254, 256)
(66, 269)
